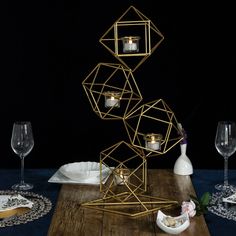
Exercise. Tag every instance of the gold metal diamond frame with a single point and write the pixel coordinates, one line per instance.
(132, 21)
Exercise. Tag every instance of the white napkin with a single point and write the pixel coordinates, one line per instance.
(9, 202)
(230, 199)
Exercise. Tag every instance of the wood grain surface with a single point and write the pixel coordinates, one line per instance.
(70, 218)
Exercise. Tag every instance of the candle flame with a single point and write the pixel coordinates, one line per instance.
(153, 139)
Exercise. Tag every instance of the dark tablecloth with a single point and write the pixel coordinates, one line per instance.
(39, 177)
(203, 181)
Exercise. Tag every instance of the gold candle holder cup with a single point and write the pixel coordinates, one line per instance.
(122, 176)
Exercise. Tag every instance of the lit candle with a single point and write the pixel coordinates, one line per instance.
(130, 44)
(153, 141)
(112, 99)
(122, 176)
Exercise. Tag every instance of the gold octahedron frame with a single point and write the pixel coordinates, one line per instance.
(112, 38)
(129, 198)
(126, 197)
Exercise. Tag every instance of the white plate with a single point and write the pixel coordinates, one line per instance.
(83, 170)
(59, 178)
(182, 221)
(10, 202)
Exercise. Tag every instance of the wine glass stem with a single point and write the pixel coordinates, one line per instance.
(226, 171)
(22, 170)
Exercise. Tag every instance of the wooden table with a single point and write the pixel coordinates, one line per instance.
(70, 218)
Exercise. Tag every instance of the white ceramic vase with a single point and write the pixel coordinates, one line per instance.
(183, 165)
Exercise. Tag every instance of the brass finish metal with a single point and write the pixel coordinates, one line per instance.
(138, 205)
(132, 20)
(127, 199)
(152, 137)
(153, 117)
(132, 157)
(113, 94)
(106, 78)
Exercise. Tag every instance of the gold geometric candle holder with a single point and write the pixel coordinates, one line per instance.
(112, 91)
(153, 127)
(132, 38)
(123, 191)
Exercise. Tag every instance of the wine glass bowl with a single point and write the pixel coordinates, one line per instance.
(22, 142)
(225, 144)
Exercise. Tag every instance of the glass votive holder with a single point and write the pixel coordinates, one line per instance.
(130, 44)
(153, 141)
(112, 99)
(122, 176)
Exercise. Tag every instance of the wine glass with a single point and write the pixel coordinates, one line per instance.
(22, 142)
(225, 143)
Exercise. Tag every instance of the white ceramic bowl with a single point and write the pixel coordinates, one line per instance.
(83, 170)
(182, 222)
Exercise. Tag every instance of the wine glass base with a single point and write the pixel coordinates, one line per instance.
(222, 187)
(21, 187)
